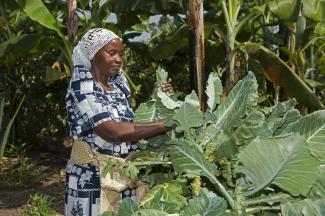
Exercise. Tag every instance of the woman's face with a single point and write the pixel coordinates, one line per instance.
(109, 58)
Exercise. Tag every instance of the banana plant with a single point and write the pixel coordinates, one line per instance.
(38, 12)
(231, 9)
(295, 15)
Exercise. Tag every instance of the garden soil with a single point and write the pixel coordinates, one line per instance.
(52, 169)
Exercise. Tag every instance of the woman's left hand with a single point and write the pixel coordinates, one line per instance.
(168, 87)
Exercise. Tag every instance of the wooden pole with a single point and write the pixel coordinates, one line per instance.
(72, 25)
(197, 52)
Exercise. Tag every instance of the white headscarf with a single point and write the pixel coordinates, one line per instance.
(90, 44)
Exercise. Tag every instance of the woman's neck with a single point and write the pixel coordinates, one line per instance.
(99, 77)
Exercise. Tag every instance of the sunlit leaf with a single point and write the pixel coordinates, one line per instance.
(167, 197)
(286, 10)
(312, 127)
(189, 115)
(239, 102)
(282, 161)
(307, 207)
(146, 112)
(314, 9)
(213, 91)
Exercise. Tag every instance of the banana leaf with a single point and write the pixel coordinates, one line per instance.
(286, 10)
(314, 9)
(281, 74)
(38, 12)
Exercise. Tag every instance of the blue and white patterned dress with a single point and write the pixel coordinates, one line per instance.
(89, 105)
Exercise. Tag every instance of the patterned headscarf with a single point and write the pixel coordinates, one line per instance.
(90, 44)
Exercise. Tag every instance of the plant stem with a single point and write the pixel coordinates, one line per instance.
(273, 198)
(223, 191)
(262, 208)
(151, 163)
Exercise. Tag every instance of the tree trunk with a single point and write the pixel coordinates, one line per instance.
(72, 26)
(197, 53)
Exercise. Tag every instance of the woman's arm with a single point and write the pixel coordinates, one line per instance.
(113, 131)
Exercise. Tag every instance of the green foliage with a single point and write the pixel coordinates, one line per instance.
(312, 127)
(273, 166)
(167, 197)
(32, 31)
(281, 74)
(207, 203)
(283, 165)
(19, 175)
(5, 135)
(40, 205)
(214, 91)
(238, 103)
(189, 114)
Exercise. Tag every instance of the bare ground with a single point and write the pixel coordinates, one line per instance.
(52, 168)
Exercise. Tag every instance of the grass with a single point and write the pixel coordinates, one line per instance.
(21, 174)
(40, 205)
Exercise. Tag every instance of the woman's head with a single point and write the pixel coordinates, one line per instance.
(108, 60)
(92, 47)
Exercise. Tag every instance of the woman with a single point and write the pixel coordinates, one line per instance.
(100, 115)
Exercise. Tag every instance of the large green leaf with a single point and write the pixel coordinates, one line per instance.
(318, 188)
(189, 115)
(282, 161)
(238, 103)
(127, 207)
(312, 127)
(38, 12)
(281, 74)
(314, 9)
(190, 160)
(207, 204)
(146, 112)
(213, 91)
(167, 197)
(285, 10)
(307, 207)
(279, 116)
(167, 101)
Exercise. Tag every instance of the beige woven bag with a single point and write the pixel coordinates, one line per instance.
(113, 183)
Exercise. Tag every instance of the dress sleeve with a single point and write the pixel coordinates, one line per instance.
(87, 108)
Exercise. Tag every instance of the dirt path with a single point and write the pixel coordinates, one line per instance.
(52, 168)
